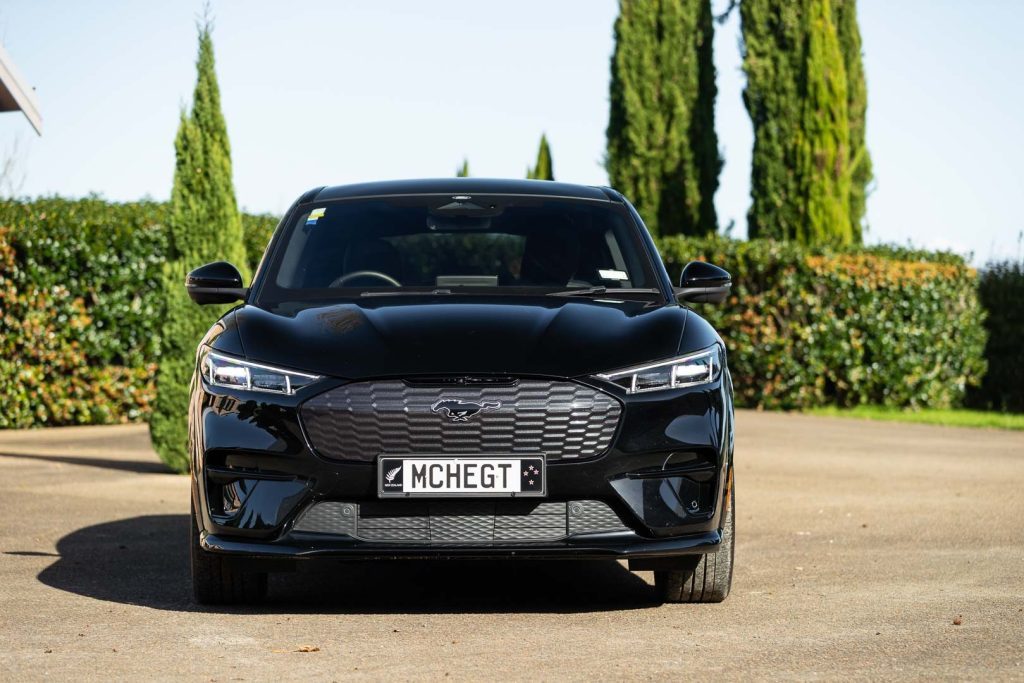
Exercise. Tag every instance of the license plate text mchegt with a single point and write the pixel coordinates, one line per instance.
(438, 476)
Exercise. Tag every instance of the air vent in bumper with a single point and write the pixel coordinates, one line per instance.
(455, 522)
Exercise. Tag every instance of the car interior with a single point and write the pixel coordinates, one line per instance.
(376, 244)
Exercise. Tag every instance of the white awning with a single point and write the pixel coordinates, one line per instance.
(15, 94)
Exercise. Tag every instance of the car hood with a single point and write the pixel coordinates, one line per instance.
(402, 336)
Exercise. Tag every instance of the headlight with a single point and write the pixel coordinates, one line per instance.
(685, 371)
(224, 371)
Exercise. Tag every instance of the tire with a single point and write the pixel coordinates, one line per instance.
(215, 581)
(707, 578)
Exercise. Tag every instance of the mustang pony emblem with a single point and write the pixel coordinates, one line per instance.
(457, 410)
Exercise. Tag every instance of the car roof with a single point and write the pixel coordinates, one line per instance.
(484, 186)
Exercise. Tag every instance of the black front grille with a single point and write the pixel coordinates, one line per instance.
(454, 522)
(362, 420)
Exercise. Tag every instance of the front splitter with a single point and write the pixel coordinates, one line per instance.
(618, 545)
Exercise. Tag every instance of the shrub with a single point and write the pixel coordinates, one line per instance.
(80, 308)
(256, 230)
(1001, 288)
(78, 320)
(808, 328)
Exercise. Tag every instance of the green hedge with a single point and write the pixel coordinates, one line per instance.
(256, 230)
(79, 335)
(79, 338)
(1001, 288)
(809, 328)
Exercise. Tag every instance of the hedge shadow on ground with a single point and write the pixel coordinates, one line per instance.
(137, 466)
(144, 561)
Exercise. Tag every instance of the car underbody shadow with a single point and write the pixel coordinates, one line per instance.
(144, 561)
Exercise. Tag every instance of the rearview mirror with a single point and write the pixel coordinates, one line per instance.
(215, 283)
(702, 282)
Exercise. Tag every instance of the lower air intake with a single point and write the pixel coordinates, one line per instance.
(447, 522)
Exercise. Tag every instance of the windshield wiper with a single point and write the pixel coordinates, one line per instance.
(600, 289)
(405, 292)
(583, 291)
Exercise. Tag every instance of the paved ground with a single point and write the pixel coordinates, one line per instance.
(859, 545)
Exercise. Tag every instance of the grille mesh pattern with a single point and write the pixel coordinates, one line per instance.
(362, 420)
(459, 522)
(591, 516)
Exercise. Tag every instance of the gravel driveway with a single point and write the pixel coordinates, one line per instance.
(865, 550)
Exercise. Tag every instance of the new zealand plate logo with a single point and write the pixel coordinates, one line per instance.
(457, 410)
(391, 474)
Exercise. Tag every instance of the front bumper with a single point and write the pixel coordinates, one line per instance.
(664, 476)
(612, 546)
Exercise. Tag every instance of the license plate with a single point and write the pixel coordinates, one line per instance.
(441, 477)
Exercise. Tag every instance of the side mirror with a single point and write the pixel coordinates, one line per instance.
(702, 282)
(215, 283)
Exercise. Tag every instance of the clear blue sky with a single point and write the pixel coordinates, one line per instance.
(333, 92)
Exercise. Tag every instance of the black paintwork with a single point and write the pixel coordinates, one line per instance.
(249, 448)
(449, 334)
(448, 186)
(609, 546)
(702, 282)
(215, 283)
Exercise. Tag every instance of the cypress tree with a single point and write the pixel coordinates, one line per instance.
(810, 165)
(773, 56)
(823, 161)
(662, 147)
(463, 171)
(857, 103)
(204, 225)
(544, 170)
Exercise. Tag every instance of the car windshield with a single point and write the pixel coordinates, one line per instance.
(458, 244)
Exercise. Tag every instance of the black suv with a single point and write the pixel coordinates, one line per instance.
(461, 368)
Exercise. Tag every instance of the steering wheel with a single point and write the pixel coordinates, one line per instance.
(340, 281)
